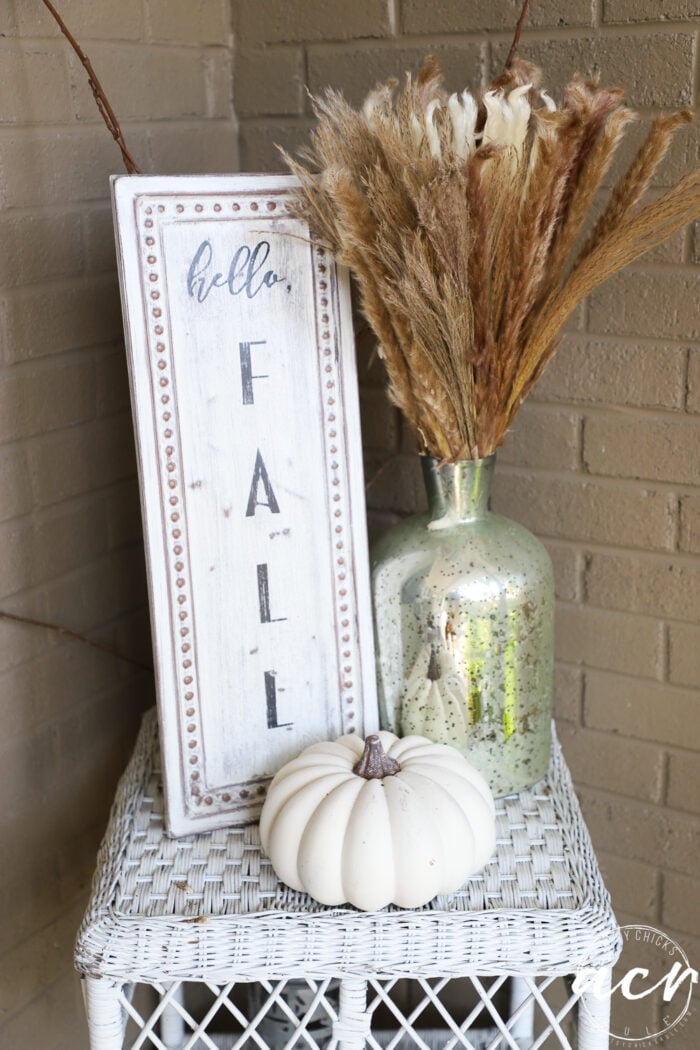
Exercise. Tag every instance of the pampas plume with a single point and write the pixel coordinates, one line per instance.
(460, 218)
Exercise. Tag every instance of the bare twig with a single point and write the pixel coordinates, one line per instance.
(100, 97)
(516, 38)
(67, 632)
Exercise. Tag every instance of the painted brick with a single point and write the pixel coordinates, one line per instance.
(47, 320)
(89, 20)
(188, 149)
(684, 655)
(649, 10)
(36, 904)
(123, 511)
(82, 459)
(63, 676)
(269, 82)
(36, 963)
(632, 885)
(646, 710)
(197, 22)
(615, 372)
(453, 16)
(112, 382)
(655, 69)
(35, 86)
(14, 482)
(567, 562)
(659, 450)
(395, 485)
(98, 237)
(689, 539)
(273, 23)
(36, 247)
(94, 596)
(58, 543)
(542, 437)
(612, 642)
(67, 165)
(617, 764)
(19, 642)
(57, 1009)
(683, 790)
(259, 144)
(218, 84)
(131, 634)
(693, 396)
(658, 586)
(657, 305)
(380, 422)
(26, 787)
(641, 831)
(141, 84)
(573, 509)
(568, 692)
(355, 71)
(681, 903)
(46, 399)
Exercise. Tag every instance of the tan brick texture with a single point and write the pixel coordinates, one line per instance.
(70, 531)
(604, 461)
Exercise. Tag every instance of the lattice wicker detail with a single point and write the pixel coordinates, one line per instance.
(208, 906)
(304, 1015)
(270, 968)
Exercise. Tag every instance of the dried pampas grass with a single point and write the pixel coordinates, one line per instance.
(460, 218)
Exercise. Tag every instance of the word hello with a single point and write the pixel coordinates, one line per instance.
(246, 273)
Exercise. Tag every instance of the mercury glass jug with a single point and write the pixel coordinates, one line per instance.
(463, 611)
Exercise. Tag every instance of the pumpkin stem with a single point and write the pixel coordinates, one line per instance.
(434, 670)
(375, 763)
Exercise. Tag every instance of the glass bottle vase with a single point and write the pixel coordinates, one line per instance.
(463, 611)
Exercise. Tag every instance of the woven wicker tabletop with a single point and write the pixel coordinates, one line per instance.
(209, 907)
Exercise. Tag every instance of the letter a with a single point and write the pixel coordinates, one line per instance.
(260, 475)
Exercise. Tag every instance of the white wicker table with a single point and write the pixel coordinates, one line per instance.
(206, 912)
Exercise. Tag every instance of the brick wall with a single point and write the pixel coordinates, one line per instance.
(70, 534)
(604, 462)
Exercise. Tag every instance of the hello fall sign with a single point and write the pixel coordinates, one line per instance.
(245, 404)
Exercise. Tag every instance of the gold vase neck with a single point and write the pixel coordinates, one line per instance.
(457, 492)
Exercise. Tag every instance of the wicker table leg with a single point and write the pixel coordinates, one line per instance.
(104, 1013)
(594, 1014)
(353, 1024)
(523, 1029)
(172, 1024)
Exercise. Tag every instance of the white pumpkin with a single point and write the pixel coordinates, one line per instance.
(384, 821)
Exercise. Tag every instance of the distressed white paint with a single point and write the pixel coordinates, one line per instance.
(252, 599)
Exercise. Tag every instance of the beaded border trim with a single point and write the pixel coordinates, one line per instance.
(151, 211)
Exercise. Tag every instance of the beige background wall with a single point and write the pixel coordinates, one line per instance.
(70, 534)
(604, 463)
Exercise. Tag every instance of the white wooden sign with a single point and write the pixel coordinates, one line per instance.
(244, 393)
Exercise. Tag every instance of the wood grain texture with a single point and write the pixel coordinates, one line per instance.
(244, 395)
